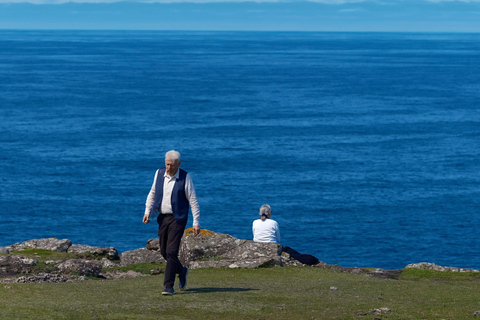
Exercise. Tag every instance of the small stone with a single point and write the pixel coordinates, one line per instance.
(381, 311)
(156, 271)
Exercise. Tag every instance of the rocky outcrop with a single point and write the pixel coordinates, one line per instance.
(52, 244)
(80, 267)
(208, 249)
(109, 252)
(43, 277)
(432, 266)
(12, 265)
(4, 250)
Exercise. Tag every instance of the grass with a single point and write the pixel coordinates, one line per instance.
(267, 293)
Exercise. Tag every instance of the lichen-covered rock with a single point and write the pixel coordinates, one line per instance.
(142, 255)
(210, 249)
(108, 252)
(10, 265)
(432, 266)
(207, 245)
(52, 244)
(80, 267)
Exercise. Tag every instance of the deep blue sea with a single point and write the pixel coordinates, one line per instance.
(366, 145)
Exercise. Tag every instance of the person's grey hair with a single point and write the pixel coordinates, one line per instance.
(173, 155)
(265, 211)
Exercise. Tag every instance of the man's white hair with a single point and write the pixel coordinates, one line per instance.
(173, 155)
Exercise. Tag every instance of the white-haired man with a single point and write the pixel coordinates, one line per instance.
(172, 195)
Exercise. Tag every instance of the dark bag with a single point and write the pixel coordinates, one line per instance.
(303, 258)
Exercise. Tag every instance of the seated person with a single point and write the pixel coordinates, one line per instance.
(266, 229)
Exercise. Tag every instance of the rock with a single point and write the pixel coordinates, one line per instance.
(52, 244)
(386, 274)
(11, 265)
(4, 250)
(210, 249)
(156, 272)
(153, 244)
(140, 256)
(432, 266)
(476, 313)
(288, 260)
(106, 263)
(113, 275)
(80, 267)
(108, 252)
(381, 311)
(43, 277)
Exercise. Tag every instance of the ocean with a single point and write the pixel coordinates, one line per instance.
(365, 145)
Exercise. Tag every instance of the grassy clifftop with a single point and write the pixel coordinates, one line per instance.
(267, 293)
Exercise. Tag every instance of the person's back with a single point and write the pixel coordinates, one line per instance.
(266, 229)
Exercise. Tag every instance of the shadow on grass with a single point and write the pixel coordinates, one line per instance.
(212, 290)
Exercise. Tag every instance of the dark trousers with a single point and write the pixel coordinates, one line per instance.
(170, 233)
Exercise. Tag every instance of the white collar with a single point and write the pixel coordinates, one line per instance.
(176, 175)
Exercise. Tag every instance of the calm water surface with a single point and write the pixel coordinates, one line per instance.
(366, 145)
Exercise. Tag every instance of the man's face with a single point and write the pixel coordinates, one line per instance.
(172, 167)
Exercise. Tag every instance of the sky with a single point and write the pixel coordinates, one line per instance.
(236, 15)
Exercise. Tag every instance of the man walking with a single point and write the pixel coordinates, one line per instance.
(172, 194)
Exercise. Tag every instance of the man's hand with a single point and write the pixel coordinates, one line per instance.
(196, 230)
(146, 219)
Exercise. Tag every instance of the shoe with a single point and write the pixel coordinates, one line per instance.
(168, 291)
(182, 279)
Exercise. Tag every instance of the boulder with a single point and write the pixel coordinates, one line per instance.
(52, 244)
(109, 252)
(4, 250)
(142, 255)
(80, 267)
